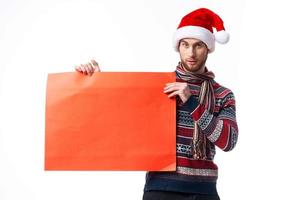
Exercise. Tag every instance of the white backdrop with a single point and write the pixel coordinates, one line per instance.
(259, 64)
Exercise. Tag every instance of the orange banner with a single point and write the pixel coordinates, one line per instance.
(110, 121)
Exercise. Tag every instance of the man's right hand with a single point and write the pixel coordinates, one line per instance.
(88, 68)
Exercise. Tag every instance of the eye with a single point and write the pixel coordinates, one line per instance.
(184, 44)
(200, 45)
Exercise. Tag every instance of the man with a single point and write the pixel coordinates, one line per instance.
(206, 114)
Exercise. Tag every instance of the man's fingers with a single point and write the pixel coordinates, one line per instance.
(90, 69)
(173, 94)
(174, 85)
(90, 66)
(170, 84)
(95, 65)
(77, 68)
(171, 88)
(82, 67)
(94, 62)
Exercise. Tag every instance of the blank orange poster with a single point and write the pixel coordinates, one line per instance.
(110, 121)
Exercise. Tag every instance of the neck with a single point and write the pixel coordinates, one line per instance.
(201, 70)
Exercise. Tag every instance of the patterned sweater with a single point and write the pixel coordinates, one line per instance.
(220, 129)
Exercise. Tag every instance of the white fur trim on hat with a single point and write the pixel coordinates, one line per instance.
(196, 32)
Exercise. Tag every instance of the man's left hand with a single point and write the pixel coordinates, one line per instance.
(178, 88)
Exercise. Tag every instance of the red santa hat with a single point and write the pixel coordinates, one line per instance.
(199, 24)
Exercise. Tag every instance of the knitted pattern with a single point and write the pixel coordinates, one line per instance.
(221, 130)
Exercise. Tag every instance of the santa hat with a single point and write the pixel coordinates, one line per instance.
(199, 24)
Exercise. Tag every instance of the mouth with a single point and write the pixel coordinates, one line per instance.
(191, 62)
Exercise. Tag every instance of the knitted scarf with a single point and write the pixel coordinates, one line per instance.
(206, 97)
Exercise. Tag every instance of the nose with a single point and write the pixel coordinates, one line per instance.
(191, 52)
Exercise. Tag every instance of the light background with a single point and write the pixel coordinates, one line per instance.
(259, 64)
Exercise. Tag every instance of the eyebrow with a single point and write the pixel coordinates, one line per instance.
(200, 42)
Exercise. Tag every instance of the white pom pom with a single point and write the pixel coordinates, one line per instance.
(222, 37)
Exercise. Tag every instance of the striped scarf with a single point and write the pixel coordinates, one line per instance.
(207, 98)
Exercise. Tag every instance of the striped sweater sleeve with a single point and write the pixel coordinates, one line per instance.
(221, 128)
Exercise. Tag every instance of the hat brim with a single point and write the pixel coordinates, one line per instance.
(194, 32)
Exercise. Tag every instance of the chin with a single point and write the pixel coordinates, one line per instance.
(192, 68)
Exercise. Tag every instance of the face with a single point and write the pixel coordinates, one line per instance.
(193, 54)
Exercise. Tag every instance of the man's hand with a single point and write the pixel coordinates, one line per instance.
(88, 68)
(177, 88)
